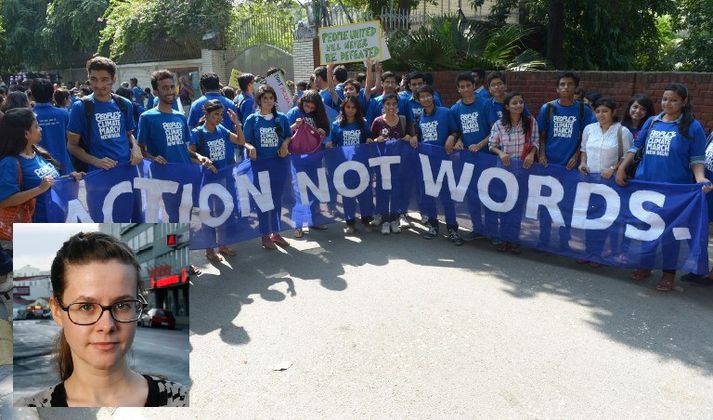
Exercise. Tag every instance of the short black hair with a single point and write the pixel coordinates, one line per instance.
(465, 76)
(389, 75)
(424, 88)
(124, 91)
(321, 72)
(340, 73)
(302, 85)
(416, 75)
(494, 75)
(210, 81)
(568, 74)
(159, 75)
(134, 81)
(42, 90)
(244, 81)
(101, 63)
(480, 73)
(228, 92)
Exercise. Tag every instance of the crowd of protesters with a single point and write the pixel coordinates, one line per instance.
(49, 131)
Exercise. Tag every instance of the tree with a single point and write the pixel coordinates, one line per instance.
(22, 44)
(695, 51)
(590, 35)
(129, 22)
(72, 26)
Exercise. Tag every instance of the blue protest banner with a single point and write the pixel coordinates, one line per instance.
(644, 225)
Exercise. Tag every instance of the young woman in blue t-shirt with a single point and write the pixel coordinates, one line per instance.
(21, 133)
(350, 130)
(674, 152)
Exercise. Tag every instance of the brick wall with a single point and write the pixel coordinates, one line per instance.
(539, 87)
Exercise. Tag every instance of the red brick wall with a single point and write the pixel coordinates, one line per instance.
(539, 87)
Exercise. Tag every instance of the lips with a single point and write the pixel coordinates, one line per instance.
(105, 345)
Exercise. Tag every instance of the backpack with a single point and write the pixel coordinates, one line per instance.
(85, 140)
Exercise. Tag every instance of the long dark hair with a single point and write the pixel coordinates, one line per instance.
(505, 120)
(84, 248)
(262, 91)
(320, 114)
(15, 99)
(13, 125)
(644, 101)
(359, 116)
(687, 116)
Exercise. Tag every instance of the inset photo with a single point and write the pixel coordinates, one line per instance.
(100, 315)
(5, 329)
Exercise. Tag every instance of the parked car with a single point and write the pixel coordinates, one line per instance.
(157, 317)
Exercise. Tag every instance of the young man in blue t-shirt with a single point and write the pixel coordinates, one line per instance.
(210, 85)
(110, 139)
(562, 123)
(138, 93)
(415, 81)
(245, 102)
(163, 132)
(53, 122)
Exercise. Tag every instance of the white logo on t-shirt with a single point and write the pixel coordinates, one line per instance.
(268, 137)
(174, 133)
(429, 130)
(109, 124)
(351, 137)
(470, 122)
(563, 125)
(216, 149)
(659, 142)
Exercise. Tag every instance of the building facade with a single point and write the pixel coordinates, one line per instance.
(163, 254)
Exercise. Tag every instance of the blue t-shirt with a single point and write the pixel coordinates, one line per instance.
(351, 134)
(376, 106)
(165, 135)
(54, 122)
(33, 170)
(175, 105)
(668, 155)
(262, 133)
(197, 110)
(482, 93)
(709, 173)
(110, 128)
(435, 128)
(245, 103)
(417, 109)
(138, 95)
(564, 130)
(216, 145)
(471, 121)
(327, 99)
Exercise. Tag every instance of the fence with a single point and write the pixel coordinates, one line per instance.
(271, 30)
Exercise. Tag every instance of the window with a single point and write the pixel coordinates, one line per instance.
(149, 235)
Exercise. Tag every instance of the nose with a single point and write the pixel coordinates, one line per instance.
(106, 321)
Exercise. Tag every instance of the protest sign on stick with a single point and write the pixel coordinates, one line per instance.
(351, 43)
(284, 99)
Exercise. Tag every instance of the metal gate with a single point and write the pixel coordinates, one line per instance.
(258, 58)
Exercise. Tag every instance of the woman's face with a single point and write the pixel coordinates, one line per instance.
(308, 107)
(34, 134)
(425, 99)
(516, 105)
(267, 101)
(672, 103)
(102, 345)
(636, 111)
(604, 114)
(215, 116)
(390, 106)
(350, 110)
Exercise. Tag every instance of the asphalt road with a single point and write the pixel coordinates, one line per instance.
(154, 351)
(401, 327)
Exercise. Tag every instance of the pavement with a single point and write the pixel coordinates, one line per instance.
(401, 327)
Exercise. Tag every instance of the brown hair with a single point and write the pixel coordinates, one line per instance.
(83, 248)
(101, 63)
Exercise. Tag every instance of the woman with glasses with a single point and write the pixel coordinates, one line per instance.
(97, 302)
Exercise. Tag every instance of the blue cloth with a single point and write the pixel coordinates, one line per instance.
(263, 133)
(668, 155)
(138, 95)
(165, 135)
(33, 170)
(435, 128)
(216, 145)
(482, 93)
(349, 135)
(564, 129)
(376, 106)
(109, 129)
(245, 103)
(417, 109)
(472, 121)
(197, 110)
(53, 122)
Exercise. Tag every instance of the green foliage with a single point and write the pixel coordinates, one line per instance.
(449, 43)
(72, 25)
(22, 41)
(263, 22)
(695, 51)
(129, 22)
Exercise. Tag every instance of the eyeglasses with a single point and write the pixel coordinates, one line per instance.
(88, 313)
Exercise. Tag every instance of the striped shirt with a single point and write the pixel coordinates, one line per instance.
(512, 140)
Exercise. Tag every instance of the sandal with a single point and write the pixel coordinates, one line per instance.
(502, 247)
(666, 283)
(212, 256)
(640, 274)
(515, 249)
(226, 250)
(298, 233)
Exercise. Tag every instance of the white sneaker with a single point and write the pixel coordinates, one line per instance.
(385, 229)
(377, 220)
(424, 219)
(403, 220)
(394, 227)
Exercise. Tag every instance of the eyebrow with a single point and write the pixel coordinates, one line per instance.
(90, 299)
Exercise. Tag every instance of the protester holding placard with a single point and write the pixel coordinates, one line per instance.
(214, 141)
(269, 132)
(674, 146)
(324, 83)
(376, 105)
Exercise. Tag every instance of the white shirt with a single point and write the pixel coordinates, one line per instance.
(602, 148)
